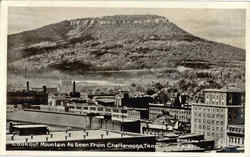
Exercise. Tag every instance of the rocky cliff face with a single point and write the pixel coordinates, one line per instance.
(114, 43)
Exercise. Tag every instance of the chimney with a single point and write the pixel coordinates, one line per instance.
(74, 87)
(27, 86)
(44, 89)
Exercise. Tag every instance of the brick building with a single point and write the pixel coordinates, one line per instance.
(183, 114)
(222, 108)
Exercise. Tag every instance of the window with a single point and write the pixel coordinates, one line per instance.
(208, 127)
(208, 115)
(108, 110)
(85, 108)
(92, 108)
(100, 109)
(125, 111)
(238, 140)
(221, 135)
(123, 116)
(233, 139)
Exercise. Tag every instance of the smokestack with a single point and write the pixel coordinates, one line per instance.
(74, 87)
(27, 85)
(44, 89)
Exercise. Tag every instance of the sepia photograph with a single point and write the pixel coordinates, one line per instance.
(126, 79)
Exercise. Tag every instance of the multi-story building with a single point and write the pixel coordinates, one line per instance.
(133, 114)
(222, 108)
(235, 135)
(183, 114)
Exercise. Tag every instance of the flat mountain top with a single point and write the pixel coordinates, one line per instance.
(120, 42)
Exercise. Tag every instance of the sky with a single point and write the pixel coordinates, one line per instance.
(221, 25)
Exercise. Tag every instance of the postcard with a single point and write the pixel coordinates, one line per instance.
(114, 77)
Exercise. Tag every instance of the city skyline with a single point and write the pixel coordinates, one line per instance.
(126, 83)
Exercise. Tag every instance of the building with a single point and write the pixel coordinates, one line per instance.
(133, 114)
(183, 114)
(28, 129)
(14, 108)
(105, 100)
(184, 143)
(221, 109)
(119, 124)
(49, 90)
(139, 103)
(164, 125)
(58, 100)
(28, 97)
(235, 135)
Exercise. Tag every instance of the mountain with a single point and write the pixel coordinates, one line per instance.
(120, 42)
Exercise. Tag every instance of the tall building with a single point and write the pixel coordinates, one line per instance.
(222, 109)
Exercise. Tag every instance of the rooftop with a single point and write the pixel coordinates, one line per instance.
(157, 126)
(237, 126)
(29, 126)
(70, 135)
(105, 100)
(226, 90)
(48, 118)
(124, 120)
(191, 135)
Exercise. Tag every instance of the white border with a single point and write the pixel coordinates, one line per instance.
(3, 74)
(113, 4)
